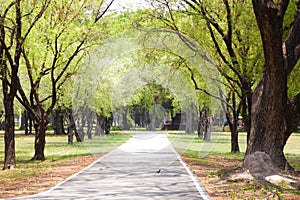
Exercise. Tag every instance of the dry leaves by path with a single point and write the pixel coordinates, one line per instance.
(216, 173)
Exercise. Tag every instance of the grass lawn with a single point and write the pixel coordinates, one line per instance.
(219, 145)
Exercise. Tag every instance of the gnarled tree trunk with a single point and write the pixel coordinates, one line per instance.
(271, 123)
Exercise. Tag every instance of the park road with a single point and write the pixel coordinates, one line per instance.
(145, 167)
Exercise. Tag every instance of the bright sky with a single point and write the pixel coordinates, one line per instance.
(128, 4)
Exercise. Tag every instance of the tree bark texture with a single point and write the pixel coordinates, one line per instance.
(109, 122)
(100, 127)
(103, 124)
(9, 135)
(71, 127)
(25, 121)
(58, 122)
(40, 138)
(200, 128)
(235, 148)
(270, 116)
(10, 82)
(204, 124)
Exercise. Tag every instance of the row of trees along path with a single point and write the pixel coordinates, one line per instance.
(22, 23)
(270, 115)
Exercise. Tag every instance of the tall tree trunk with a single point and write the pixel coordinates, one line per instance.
(8, 102)
(22, 121)
(89, 128)
(269, 125)
(70, 135)
(205, 124)
(90, 122)
(25, 113)
(71, 128)
(100, 127)
(246, 104)
(30, 123)
(124, 120)
(207, 130)
(40, 138)
(268, 115)
(10, 75)
(9, 94)
(77, 135)
(10, 89)
(200, 128)
(246, 117)
(233, 124)
(58, 121)
(232, 119)
(80, 132)
(109, 121)
(9, 135)
(234, 136)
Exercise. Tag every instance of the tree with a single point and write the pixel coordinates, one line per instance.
(226, 39)
(13, 36)
(274, 115)
(51, 64)
(58, 121)
(60, 57)
(153, 97)
(204, 124)
(129, 59)
(18, 20)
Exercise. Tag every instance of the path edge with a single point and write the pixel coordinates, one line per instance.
(201, 189)
(65, 180)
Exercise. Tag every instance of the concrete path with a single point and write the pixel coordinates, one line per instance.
(146, 167)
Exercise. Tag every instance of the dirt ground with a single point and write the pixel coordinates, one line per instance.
(220, 178)
(41, 182)
(213, 173)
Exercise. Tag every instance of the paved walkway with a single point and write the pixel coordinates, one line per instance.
(146, 167)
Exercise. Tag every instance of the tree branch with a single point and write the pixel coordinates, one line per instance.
(100, 15)
(203, 90)
(37, 17)
(75, 53)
